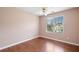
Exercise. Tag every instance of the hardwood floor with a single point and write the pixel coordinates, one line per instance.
(42, 45)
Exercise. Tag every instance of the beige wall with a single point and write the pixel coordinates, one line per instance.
(17, 26)
(71, 26)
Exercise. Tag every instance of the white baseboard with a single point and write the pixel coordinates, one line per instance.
(60, 40)
(1, 48)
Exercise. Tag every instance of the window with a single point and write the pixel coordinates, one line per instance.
(55, 24)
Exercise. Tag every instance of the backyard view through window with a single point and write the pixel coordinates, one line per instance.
(55, 24)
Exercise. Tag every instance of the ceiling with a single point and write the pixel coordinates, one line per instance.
(38, 10)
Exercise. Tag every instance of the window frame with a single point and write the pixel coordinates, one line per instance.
(47, 23)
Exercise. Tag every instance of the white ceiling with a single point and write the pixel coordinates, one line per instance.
(38, 10)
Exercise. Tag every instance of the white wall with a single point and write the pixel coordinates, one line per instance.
(17, 26)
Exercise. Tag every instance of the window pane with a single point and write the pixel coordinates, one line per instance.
(55, 24)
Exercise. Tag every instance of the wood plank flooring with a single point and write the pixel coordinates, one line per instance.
(42, 45)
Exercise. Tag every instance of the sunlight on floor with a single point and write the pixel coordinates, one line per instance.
(58, 49)
(53, 48)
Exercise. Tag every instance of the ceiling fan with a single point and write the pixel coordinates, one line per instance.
(44, 11)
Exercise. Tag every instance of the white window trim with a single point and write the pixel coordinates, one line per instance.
(53, 32)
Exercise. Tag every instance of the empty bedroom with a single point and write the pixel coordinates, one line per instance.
(39, 29)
